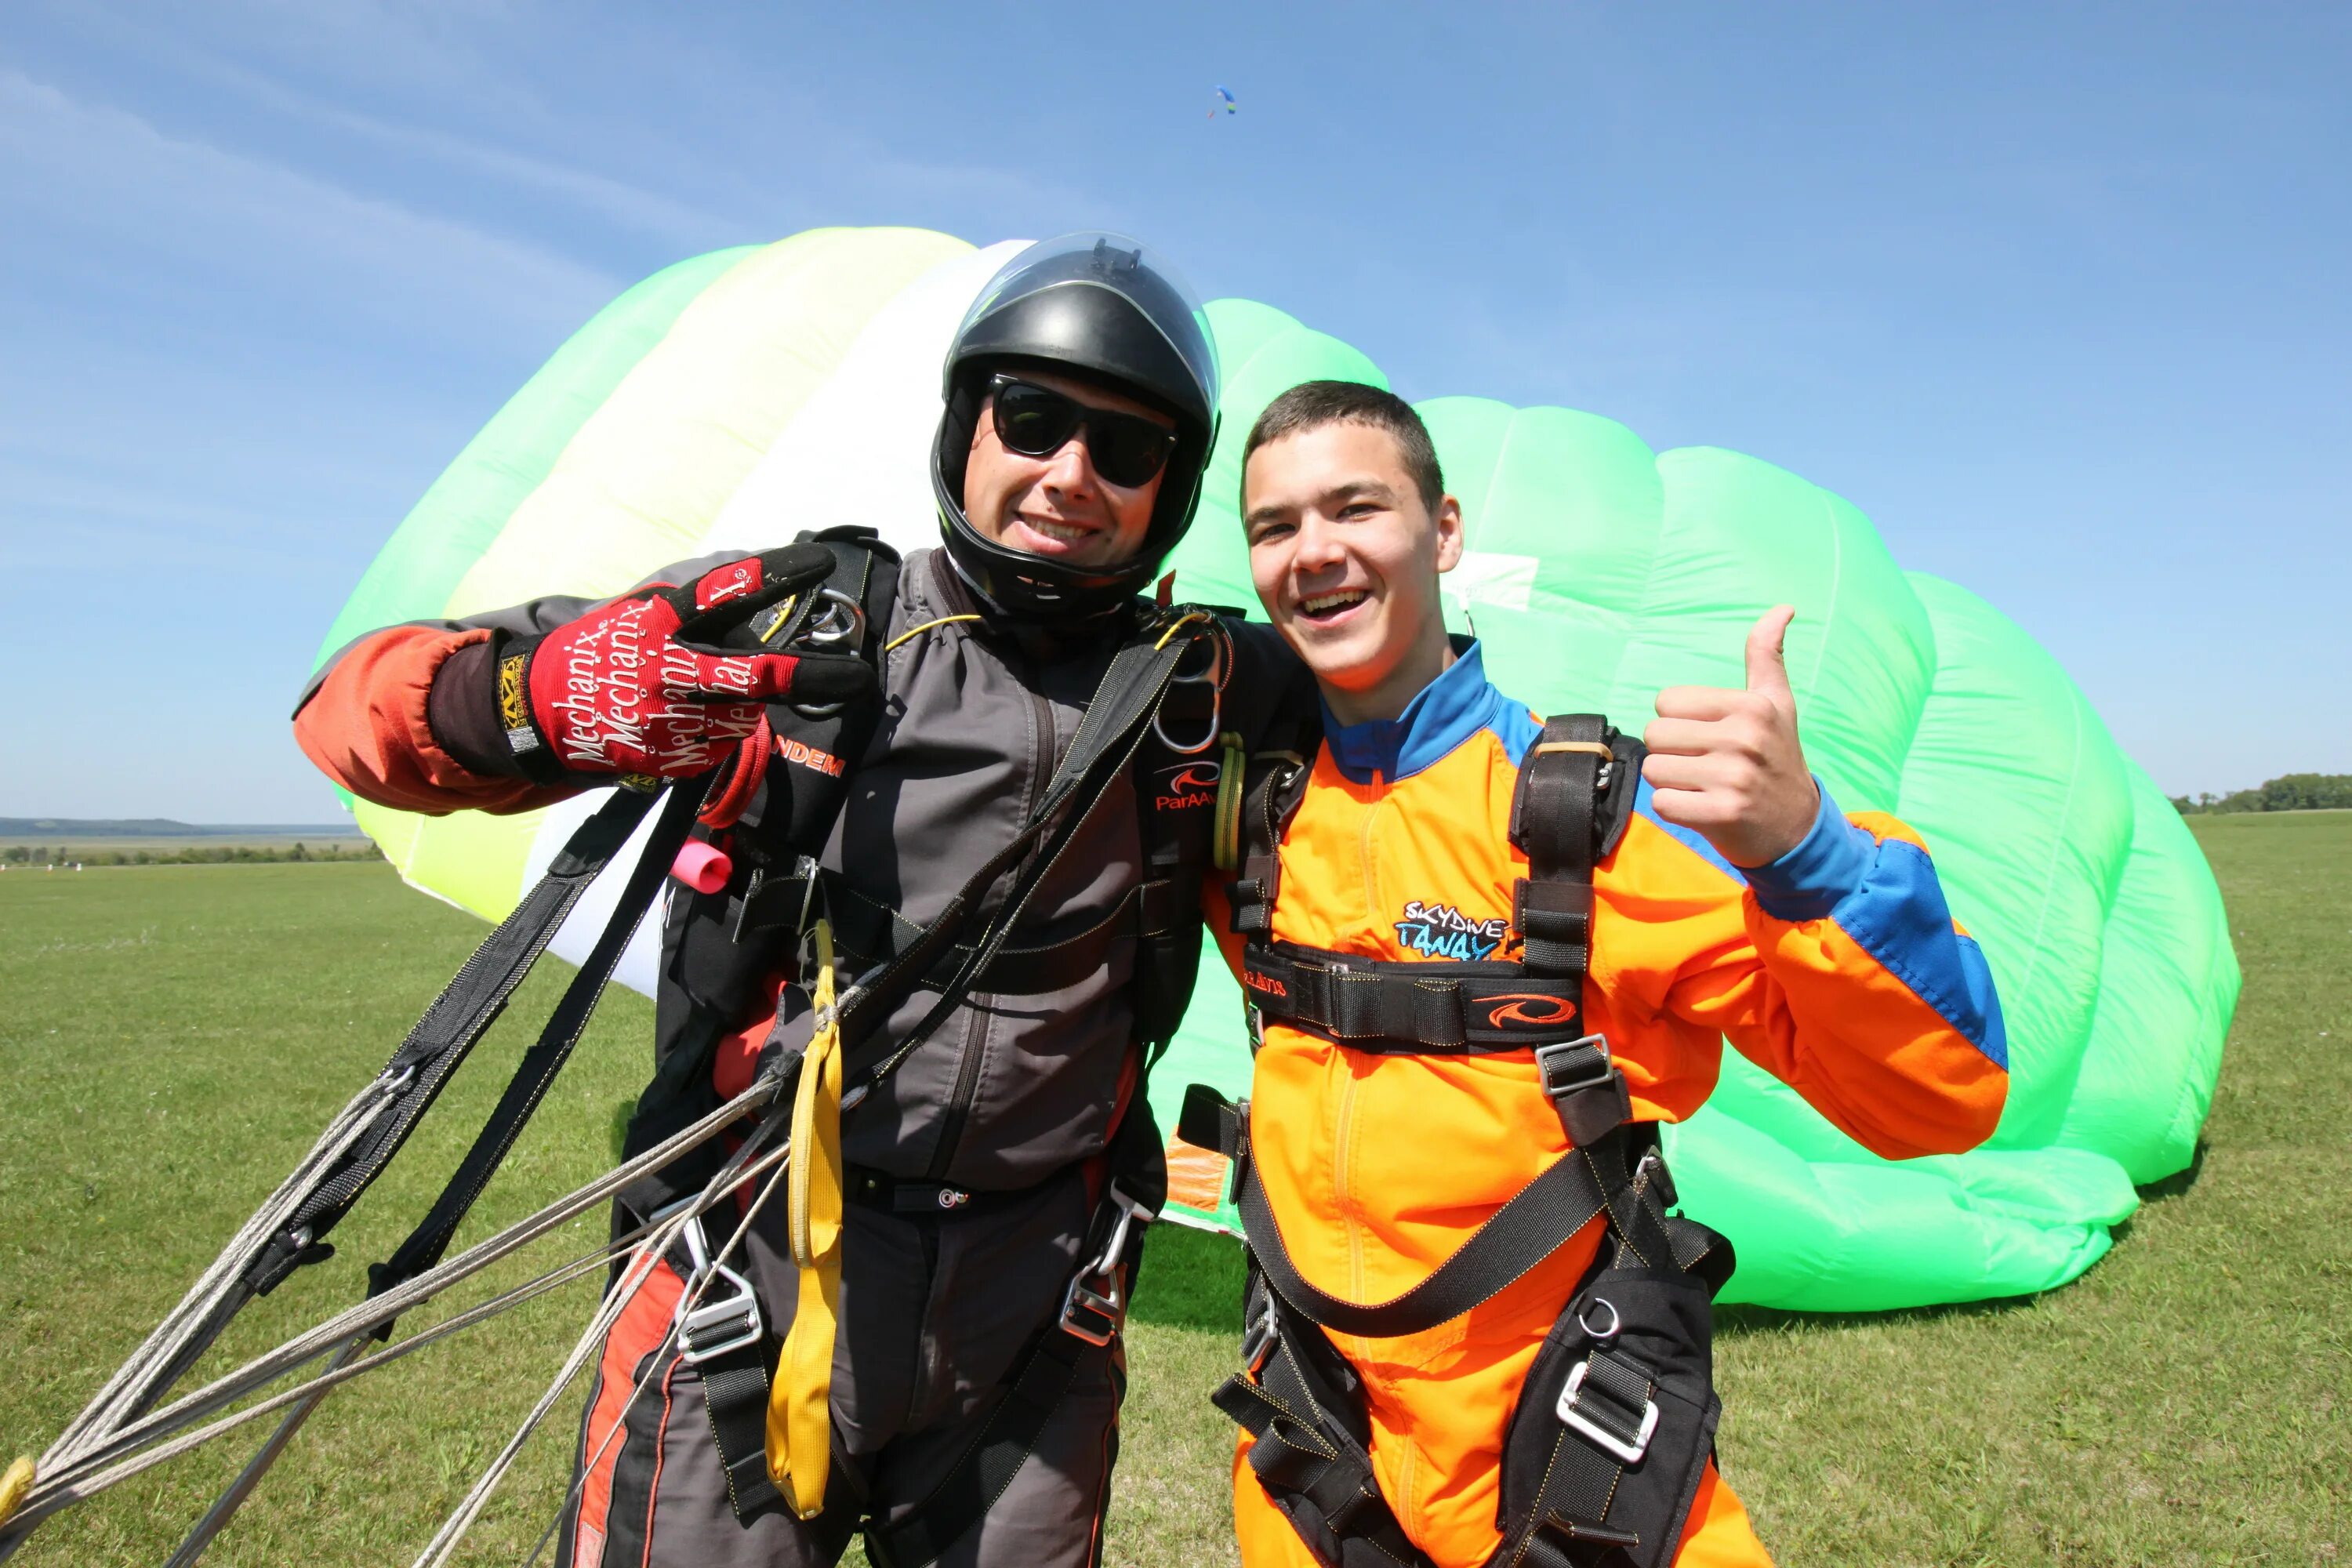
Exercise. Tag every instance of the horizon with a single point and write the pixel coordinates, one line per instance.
(2054, 297)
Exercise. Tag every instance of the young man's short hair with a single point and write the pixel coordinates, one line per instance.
(1311, 404)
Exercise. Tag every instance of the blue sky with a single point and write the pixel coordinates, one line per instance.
(2056, 294)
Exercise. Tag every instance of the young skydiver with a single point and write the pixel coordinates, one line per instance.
(1396, 1111)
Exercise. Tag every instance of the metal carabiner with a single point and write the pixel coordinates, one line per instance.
(1220, 669)
(834, 619)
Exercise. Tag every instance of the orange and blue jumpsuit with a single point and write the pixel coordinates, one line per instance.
(1837, 968)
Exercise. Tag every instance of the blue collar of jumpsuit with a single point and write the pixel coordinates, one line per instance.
(1447, 711)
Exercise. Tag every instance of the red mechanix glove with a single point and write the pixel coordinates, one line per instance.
(643, 685)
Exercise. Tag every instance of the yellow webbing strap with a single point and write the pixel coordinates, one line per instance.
(14, 1484)
(800, 1422)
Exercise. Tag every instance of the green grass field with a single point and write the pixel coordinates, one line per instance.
(173, 1037)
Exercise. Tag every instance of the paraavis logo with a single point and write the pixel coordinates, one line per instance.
(1441, 931)
(1187, 785)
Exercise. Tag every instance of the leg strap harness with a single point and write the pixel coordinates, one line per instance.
(1604, 1453)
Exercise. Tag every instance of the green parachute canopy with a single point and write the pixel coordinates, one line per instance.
(736, 399)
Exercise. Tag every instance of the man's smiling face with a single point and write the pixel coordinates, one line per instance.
(1057, 506)
(1345, 555)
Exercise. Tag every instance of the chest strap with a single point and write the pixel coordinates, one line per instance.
(1574, 801)
(1433, 1008)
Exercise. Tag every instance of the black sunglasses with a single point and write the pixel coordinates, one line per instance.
(1037, 422)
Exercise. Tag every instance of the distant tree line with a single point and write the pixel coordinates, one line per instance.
(2290, 792)
(193, 855)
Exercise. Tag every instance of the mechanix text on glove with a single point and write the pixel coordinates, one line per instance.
(640, 685)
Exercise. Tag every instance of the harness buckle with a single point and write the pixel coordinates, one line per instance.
(1258, 1343)
(1094, 1307)
(1610, 1442)
(1585, 1088)
(712, 1328)
(1568, 1068)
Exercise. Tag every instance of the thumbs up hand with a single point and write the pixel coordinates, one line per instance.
(1727, 763)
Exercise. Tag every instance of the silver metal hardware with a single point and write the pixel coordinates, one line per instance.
(1220, 668)
(1095, 1306)
(1258, 1343)
(1607, 1441)
(720, 1322)
(1587, 1079)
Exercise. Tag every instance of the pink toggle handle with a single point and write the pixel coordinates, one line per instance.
(703, 866)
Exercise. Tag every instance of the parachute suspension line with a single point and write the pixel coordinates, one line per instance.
(148, 1371)
(100, 1463)
(749, 1163)
(91, 1480)
(353, 1152)
(233, 1498)
(281, 1227)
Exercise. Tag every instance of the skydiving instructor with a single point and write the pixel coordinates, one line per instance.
(997, 1181)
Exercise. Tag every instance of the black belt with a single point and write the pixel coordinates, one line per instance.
(877, 933)
(1379, 1005)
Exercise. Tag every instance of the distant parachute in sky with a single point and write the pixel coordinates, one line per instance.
(1226, 102)
(736, 398)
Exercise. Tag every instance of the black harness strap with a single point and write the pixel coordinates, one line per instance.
(1443, 1007)
(1552, 813)
(1269, 802)
(441, 1040)
(537, 1070)
(1302, 1407)
(1540, 1220)
(735, 1398)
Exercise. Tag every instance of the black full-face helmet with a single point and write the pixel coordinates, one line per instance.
(1102, 307)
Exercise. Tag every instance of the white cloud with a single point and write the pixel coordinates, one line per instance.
(79, 177)
(632, 205)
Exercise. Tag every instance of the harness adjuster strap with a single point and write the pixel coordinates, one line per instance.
(1585, 1087)
(1614, 1411)
(1571, 1066)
